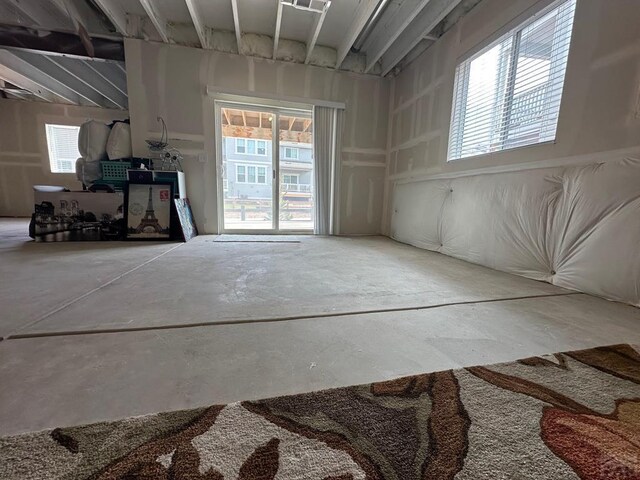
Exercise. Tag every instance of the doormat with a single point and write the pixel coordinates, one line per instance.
(560, 416)
(257, 239)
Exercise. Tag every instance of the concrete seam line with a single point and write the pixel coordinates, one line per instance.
(99, 287)
(22, 336)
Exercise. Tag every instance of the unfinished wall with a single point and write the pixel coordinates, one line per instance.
(171, 81)
(599, 111)
(24, 159)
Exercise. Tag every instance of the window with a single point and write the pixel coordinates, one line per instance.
(290, 179)
(241, 174)
(508, 94)
(251, 146)
(291, 153)
(262, 175)
(251, 174)
(62, 142)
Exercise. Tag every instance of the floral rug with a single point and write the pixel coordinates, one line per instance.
(561, 416)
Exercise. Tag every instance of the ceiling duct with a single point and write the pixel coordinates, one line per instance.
(316, 6)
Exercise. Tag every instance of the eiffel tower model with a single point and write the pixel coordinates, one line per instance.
(149, 221)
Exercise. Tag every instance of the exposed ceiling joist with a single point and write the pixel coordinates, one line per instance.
(37, 11)
(47, 65)
(197, 23)
(112, 73)
(364, 13)
(315, 31)
(276, 35)
(158, 20)
(236, 24)
(11, 76)
(421, 26)
(20, 72)
(391, 25)
(90, 77)
(115, 14)
(70, 10)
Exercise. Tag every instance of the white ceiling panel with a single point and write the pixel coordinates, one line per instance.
(296, 23)
(339, 17)
(218, 14)
(175, 11)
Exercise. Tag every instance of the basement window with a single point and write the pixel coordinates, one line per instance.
(62, 143)
(508, 94)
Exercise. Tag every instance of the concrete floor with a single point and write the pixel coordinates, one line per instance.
(104, 331)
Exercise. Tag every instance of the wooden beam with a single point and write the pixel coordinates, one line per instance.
(158, 20)
(291, 122)
(226, 115)
(265, 134)
(276, 36)
(364, 13)
(197, 22)
(315, 31)
(244, 118)
(236, 24)
(307, 124)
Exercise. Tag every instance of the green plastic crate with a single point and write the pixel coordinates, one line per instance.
(114, 172)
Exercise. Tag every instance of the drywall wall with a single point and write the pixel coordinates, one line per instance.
(24, 158)
(171, 81)
(599, 111)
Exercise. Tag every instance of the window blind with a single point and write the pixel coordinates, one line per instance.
(62, 142)
(508, 94)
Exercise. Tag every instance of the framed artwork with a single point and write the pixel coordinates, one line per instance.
(185, 218)
(148, 211)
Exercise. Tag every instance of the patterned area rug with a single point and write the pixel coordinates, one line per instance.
(570, 415)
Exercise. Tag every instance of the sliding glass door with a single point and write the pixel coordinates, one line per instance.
(295, 168)
(265, 170)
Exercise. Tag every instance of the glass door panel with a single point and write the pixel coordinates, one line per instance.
(295, 170)
(247, 166)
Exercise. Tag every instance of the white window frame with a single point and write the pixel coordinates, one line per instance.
(257, 174)
(257, 146)
(244, 173)
(291, 176)
(244, 145)
(53, 162)
(548, 129)
(287, 156)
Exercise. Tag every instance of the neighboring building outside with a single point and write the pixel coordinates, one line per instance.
(248, 180)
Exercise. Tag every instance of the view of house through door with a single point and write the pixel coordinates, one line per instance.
(258, 146)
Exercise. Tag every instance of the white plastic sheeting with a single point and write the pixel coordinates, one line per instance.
(576, 227)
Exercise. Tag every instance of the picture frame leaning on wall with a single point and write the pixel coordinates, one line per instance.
(148, 211)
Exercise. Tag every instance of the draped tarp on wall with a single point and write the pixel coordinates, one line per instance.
(575, 227)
